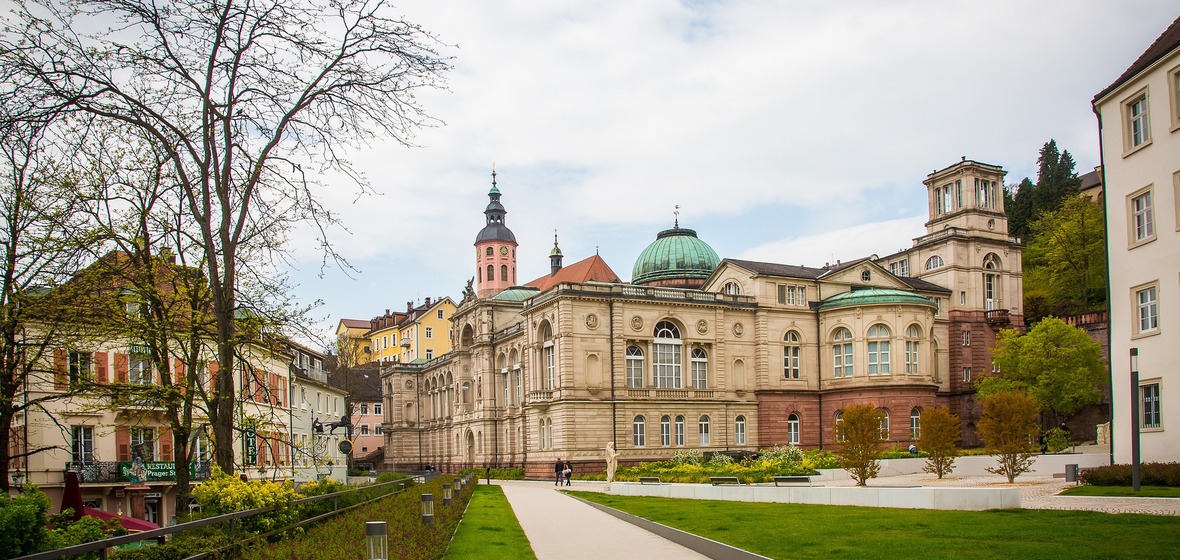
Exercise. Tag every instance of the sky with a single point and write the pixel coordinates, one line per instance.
(788, 132)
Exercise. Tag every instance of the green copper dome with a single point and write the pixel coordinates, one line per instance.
(676, 254)
(874, 296)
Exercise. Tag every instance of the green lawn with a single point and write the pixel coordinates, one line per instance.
(811, 531)
(489, 529)
(1123, 491)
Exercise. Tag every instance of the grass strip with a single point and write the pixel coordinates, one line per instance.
(814, 531)
(1123, 491)
(489, 529)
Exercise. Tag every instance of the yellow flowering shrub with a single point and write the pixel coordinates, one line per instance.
(223, 494)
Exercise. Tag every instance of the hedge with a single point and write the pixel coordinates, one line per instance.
(1150, 474)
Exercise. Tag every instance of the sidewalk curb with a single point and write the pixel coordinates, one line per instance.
(696, 543)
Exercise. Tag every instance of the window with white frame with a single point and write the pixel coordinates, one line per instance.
(377, 429)
(364, 429)
(878, 349)
(991, 281)
(548, 357)
(1149, 403)
(838, 424)
(143, 443)
(634, 366)
(439, 314)
(883, 422)
(1142, 217)
(791, 348)
(79, 367)
(985, 193)
(934, 262)
(518, 381)
(377, 409)
(429, 332)
(680, 431)
(966, 375)
(139, 369)
(966, 338)
(638, 432)
(900, 268)
(1146, 310)
(364, 408)
(793, 429)
(842, 356)
(782, 294)
(700, 369)
(732, 289)
(739, 430)
(703, 430)
(430, 353)
(1138, 127)
(666, 356)
(913, 335)
(665, 431)
(83, 445)
(915, 424)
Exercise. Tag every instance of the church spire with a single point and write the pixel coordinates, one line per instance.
(555, 256)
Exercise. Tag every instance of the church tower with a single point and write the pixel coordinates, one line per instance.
(495, 249)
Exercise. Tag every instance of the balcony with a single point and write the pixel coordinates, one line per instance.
(997, 317)
(120, 471)
(540, 396)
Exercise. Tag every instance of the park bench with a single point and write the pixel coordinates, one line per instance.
(715, 480)
(792, 479)
(650, 480)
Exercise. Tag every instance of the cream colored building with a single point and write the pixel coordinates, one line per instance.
(1139, 119)
(717, 355)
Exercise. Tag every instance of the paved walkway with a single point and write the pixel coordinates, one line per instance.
(560, 527)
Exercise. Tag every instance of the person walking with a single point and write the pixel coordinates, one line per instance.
(569, 471)
(558, 471)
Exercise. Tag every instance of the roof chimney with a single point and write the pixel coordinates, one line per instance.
(409, 306)
(427, 302)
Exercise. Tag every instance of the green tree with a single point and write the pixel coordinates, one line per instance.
(1009, 430)
(1057, 363)
(1018, 204)
(1066, 256)
(940, 440)
(859, 430)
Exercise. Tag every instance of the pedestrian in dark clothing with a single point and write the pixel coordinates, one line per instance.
(569, 471)
(558, 470)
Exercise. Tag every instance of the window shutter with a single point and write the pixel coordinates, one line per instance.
(122, 443)
(121, 368)
(100, 367)
(165, 444)
(60, 362)
(274, 389)
(260, 445)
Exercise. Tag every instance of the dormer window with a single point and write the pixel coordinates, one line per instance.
(732, 289)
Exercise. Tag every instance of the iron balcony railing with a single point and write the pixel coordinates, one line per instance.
(119, 471)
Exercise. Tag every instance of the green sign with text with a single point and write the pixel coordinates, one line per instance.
(156, 470)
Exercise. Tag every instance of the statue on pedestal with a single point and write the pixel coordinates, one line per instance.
(612, 463)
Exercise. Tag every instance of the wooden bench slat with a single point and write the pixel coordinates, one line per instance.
(792, 479)
(715, 480)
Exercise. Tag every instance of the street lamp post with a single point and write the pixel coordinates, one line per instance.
(1135, 420)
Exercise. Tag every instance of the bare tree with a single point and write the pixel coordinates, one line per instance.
(250, 101)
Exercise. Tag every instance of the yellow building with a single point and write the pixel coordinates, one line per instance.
(425, 332)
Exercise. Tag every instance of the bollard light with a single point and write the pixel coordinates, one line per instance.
(428, 509)
(446, 494)
(377, 536)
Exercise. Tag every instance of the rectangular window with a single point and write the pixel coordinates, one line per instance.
(703, 429)
(377, 429)
(1149, 404)
(638, 433)
(782, 294)
(667, 362)
(680, 431)
(937, 306)
(739, 431)
(966, 375)
(83, 448)
(364, 429)
(966, 338)
(958, 194)
(1138, 128)
(802, 295)
(365, 408)
(1147, 310)
(429, 332)
(793, 430)
(79, 368)
(143, 444)
(962, 298)
(550, 366)
(1174, 91)
(139, 370)
(911, 357)
(377, 409)
(791, 362)
(439, 314)
(1142, 217)
(903, 267)
(893, 268)
(665, 432)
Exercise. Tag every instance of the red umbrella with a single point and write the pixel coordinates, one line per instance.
(72, 497)
(130, 523)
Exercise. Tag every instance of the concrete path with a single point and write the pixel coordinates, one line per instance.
(560, 527)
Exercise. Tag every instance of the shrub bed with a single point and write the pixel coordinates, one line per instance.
(690, 466)
(1151, 474)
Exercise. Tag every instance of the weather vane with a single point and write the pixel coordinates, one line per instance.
(676, 220)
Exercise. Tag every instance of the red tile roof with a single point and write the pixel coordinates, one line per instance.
(592, 269)
(355, 323)
(1165, 43)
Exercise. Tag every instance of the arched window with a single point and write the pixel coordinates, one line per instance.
(793, 429)
(739, 430)
(491, 273)
(666, 357)
(638, 432)
(548, 433)
(915, 424)
(548, 356)
(503, 273)
(866, 276)
(842, 352)
(878, 349)
(700, 369)
(791, 355)
(913, 335)
(665, 431)
(837, 424)
(541, 433)
(991, 281)
(934, 262)
(884, 422)
(489, 251)
(680, 431)
(703, 430)
(732, 289)
(634, 366)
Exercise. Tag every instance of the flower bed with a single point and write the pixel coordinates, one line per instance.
(690, 466)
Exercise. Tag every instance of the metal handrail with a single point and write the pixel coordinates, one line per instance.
(159, 534)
